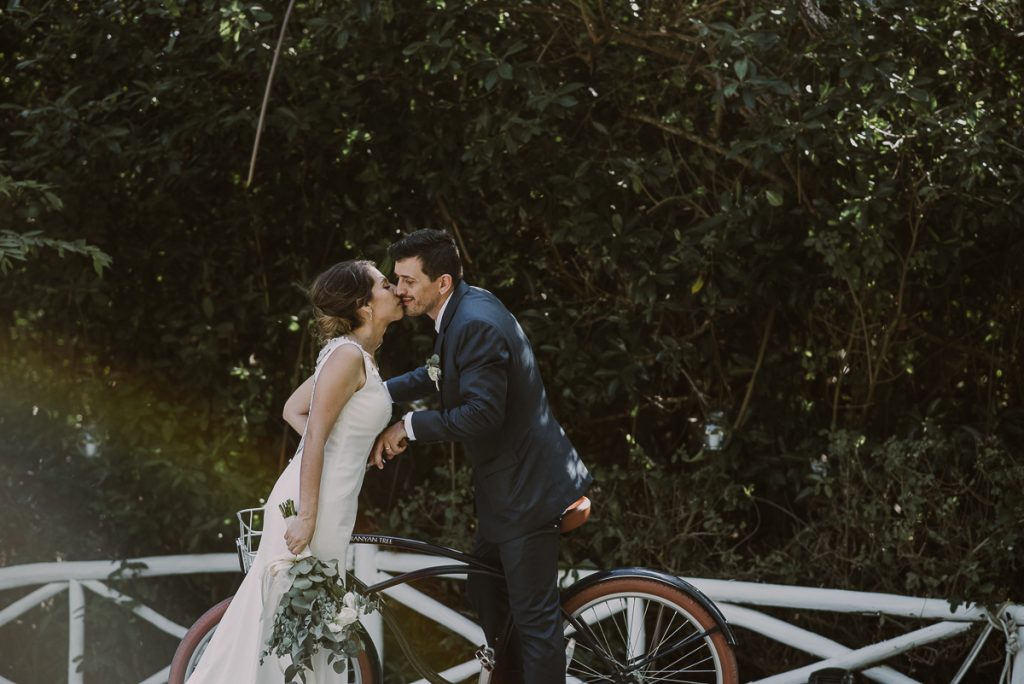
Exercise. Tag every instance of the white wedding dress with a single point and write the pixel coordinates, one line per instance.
(233, 654)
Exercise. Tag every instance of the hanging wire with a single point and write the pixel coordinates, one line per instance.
(266, 94)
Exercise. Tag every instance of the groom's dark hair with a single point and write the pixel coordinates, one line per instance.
(436, 250)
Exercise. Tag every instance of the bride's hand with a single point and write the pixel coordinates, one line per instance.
(299, 533)
(377, 453)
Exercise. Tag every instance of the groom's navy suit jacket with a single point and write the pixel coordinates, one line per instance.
(525, 469)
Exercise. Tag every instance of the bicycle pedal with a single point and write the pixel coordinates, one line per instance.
(485, 654)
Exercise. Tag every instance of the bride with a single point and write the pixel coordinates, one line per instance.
(339, 411)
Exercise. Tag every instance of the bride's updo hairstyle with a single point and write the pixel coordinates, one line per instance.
(338, 293)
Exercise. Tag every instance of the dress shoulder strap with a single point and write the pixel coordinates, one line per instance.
(325, 353)
(331, 345)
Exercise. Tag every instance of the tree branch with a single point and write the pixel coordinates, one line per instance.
(757, 367)
(266, 94)
(708, 145)
(443, 208)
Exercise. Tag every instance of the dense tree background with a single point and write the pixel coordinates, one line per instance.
(805, 215)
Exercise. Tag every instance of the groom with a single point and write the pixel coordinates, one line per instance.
(525, 470)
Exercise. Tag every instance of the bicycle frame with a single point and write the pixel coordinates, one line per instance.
(467, 565)
(470, 565)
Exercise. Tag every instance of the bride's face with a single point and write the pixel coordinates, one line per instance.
(384, 301)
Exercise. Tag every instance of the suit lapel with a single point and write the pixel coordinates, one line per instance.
(449, 312)
(438, 340)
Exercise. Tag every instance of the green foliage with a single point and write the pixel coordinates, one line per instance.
(940, 518)
(808, 220)
(18, 246)
(316, 614)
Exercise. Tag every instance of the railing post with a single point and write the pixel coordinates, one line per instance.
(76, 631)
(366, 569)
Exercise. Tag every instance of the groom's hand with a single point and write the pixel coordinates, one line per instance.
(394, 440)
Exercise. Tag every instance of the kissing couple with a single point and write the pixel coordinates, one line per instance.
(484, 375)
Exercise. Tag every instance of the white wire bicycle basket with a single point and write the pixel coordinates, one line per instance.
(250, 529)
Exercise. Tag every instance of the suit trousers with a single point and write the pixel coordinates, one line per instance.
(534, 652)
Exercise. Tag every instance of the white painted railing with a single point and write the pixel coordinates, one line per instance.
(79, 575)
(372, 564)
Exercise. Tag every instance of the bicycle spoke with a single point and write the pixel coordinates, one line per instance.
(665, 648)
(692, 666)
(636, 612)
(686, 663)
(618, 635)
(641, 639)
(672, 676)
(618, 628)
(589, 639)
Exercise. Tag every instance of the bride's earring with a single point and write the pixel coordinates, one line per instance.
(371, 314)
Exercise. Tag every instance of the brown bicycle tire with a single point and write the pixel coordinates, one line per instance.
(649, 587)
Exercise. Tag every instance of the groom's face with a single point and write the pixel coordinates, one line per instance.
(419, 294)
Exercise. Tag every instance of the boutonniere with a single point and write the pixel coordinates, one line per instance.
(433, 366)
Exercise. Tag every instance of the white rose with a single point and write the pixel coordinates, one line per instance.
(346, 616)
(351, 600)
(334, 626)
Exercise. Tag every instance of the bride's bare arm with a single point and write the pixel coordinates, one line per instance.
(296, 409)
(341, 376)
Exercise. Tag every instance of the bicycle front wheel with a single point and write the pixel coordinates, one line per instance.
(361, 670)
(636, 630)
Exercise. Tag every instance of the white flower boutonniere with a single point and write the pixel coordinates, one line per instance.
(433, 366)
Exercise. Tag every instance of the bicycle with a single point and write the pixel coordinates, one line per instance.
(622, 626)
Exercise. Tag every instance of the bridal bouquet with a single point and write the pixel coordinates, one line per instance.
(316, 612)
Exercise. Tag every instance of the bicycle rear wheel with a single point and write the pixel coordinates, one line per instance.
(361, 670)
(640, 630)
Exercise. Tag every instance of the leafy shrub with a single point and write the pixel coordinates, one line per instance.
(809, 220)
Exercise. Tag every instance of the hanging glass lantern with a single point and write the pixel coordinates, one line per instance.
(716, 431)
(89, 442)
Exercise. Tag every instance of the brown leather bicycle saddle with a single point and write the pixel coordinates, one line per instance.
(575, 515)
